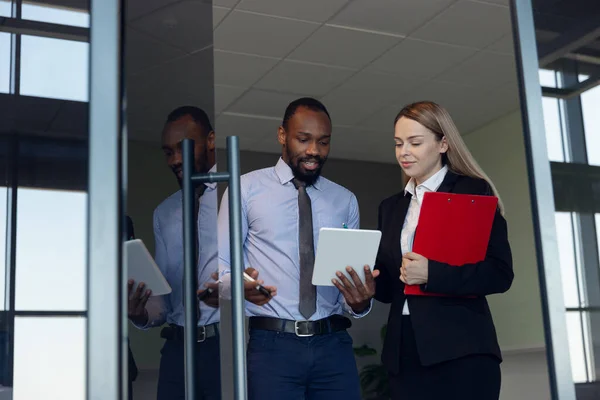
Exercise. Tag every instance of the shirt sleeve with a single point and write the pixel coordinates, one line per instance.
(224, 242)
(354, 223)
(156, 306)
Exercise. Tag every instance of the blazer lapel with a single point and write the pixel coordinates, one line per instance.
(399, 215)
(448, 183)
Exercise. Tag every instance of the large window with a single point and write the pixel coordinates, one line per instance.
(43, 203)
(573, 136)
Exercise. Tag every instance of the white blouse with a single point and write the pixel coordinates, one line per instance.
(414, 209)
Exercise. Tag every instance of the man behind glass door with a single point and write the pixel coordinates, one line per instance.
(299, 347)
(145, 312)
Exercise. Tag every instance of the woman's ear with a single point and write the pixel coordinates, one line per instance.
(444, 145)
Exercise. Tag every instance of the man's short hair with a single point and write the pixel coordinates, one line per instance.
(308, 102)
(197, 114)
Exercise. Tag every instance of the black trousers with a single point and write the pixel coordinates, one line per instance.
(171, 379)
(474, 377)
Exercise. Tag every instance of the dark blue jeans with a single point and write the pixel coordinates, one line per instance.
(283, 366)
(171, 378)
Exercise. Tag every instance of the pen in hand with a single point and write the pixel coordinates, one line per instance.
(259, 287)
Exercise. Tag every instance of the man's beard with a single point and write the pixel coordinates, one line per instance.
(308, 177)
(201, 167)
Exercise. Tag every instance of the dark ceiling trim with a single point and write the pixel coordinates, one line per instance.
(576, 90)
(585, 32)
(44, 29)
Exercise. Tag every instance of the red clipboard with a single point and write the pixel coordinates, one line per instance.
(454, 229)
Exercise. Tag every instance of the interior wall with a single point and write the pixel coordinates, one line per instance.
(500, 150)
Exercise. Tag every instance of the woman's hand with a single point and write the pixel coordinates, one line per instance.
(414, 269)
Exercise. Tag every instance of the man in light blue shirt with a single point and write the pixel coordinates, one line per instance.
(183, 123)
(299, 347)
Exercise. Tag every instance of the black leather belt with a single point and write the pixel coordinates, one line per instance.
(175, 332)
(335, 323)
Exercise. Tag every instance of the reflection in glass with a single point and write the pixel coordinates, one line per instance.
(590, 104)
(5, 8)
(49, 360)
(51, 250)
(566, 251)
(65, 72)
(576, 345)
(35, 11)
(3, 264)
(4, 62)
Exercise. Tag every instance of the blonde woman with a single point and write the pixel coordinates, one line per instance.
(438, 347)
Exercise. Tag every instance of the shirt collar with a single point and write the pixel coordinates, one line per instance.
(432, 184)
(212, 185)
(285, 174)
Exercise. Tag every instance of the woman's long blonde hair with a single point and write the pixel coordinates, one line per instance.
(458, 158)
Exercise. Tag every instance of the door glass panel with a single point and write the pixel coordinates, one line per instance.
(5, 61)
(36, 11)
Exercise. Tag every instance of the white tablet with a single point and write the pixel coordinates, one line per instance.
(340, 248)
(142, 268)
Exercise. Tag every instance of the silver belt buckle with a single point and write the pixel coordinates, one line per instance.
(296, 329)
(201, 334)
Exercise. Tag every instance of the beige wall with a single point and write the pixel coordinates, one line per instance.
(499, 148)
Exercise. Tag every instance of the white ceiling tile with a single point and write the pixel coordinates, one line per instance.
(467, 23)
(138, 8)
(263, 103)
(186, 25)
(364, 94)
(499, 2)
(417, 58)
(484, 70)
(504, 45)
(142, 51)
(225, 95)
(343, 47)
(307, 10)
(400, 17)
(240, 69)
(218, 14)
(225, 3)
(250, 130)
(303, 78)
(260, 34)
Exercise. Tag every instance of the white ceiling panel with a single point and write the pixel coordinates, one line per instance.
(143, 51)
(484, 70)
(343, 47)
(225, 95)
(499, 2)
(304, 78)
(225, 3)
(240, 69)
(261, 34)
(263, 103)
(467, 23)
(400, 17)
(250, 130)
(218, 14)
(364, 94)
(307, 10)
(504, 45)
(138, 8)
(417, 58)
(185, 25)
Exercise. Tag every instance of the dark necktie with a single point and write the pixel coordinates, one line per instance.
(199, 191)
(308, 292)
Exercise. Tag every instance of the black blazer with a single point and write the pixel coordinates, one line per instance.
(445, 328)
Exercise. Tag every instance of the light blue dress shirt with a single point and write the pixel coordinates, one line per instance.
(168, 234)
(270, 238)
